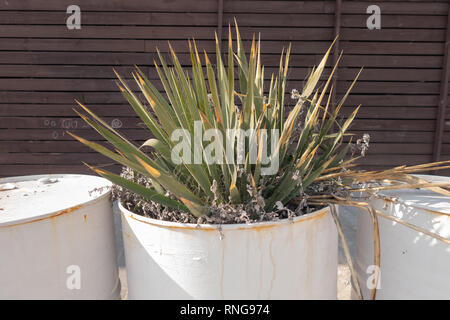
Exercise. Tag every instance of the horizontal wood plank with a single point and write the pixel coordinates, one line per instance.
(135, 123)
(108, 5)
(181, 46)
(93, 72)
(24, 147)
(44, 66)
(171, 32)
(124, 110)
(23, 170)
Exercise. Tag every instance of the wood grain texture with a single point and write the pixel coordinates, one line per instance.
(44, 67)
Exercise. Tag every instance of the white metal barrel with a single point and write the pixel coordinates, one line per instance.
(413, 265)
(57, 238)
(270, 260)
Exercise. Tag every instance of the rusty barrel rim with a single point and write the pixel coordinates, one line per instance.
(316, 215)
(101, 182)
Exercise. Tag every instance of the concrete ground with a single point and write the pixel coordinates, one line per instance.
(120, 253)
(348, 218)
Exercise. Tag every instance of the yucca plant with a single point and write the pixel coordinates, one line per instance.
(215, 102)
(315, 166)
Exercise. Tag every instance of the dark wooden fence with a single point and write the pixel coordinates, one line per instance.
(45, 66)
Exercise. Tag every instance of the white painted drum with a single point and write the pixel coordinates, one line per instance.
(271, 260)
(413, 265)
(57, 238)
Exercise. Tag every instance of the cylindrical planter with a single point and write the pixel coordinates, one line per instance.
(413, 265)
(57, 238)
(270, 260)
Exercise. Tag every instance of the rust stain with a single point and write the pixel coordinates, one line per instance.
(261, 266)
(60, 213)
(183, 227)
(255, 227)
(72, 209)
(85, 218)
(272, 260)
(222, 270)
(309, 234)
(388, 200)
(317, 216)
